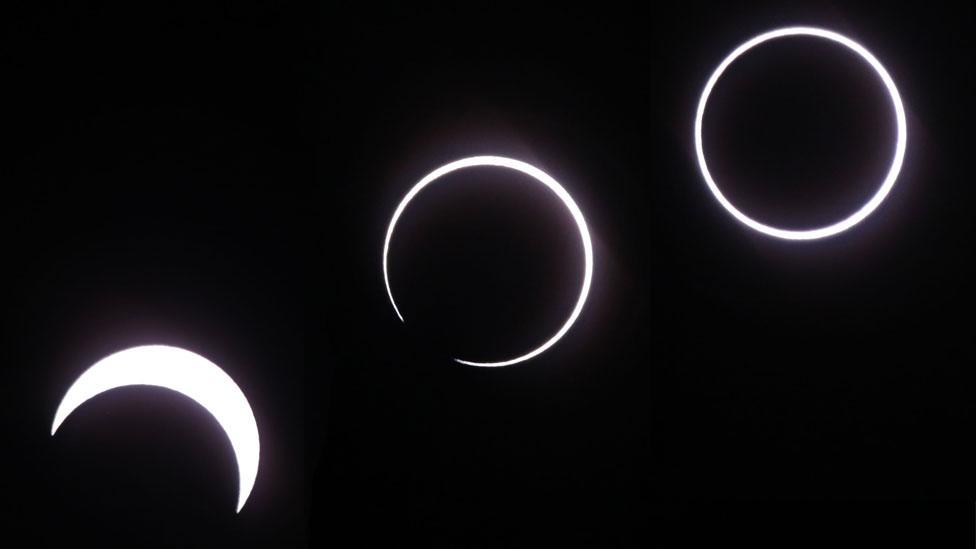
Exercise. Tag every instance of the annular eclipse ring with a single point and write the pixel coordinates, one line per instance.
(540, 176)
(886, 184)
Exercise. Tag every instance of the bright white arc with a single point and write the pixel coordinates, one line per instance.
(184, 372)
(543, 178)
(886, 185)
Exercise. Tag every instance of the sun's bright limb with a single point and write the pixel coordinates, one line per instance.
(896, 162)
(541, 177)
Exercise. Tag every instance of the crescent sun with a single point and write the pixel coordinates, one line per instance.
(551, 184)
(184, 372)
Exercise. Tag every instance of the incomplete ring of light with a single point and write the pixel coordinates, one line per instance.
(184, 372)
(896, 162)
(543, 178)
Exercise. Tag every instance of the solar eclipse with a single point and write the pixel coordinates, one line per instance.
(864, 210)
(184, 372)
(541, 177)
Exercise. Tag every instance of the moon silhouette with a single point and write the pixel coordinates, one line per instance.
(541, 177)
(184, 372)
(896, 162)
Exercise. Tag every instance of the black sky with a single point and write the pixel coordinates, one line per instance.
(221, 178)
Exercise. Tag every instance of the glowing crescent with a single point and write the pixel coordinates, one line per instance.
(886, 185)
(543, 178)
(184, 372)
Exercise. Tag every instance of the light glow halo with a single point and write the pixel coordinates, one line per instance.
(886, 185)
(545, 179)
(184, 372)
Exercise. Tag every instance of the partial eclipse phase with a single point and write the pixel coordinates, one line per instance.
(541, 177)
(184, 372)
(898, 151)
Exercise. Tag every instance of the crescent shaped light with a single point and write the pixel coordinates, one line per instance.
(886, 185)
(184, 372)
(543, 178)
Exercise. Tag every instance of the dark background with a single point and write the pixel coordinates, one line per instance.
(485, 265)
(158, 189)
(819, 389)
(221, 179)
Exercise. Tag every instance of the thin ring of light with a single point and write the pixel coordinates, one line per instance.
(896, 162)
(543, 178)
